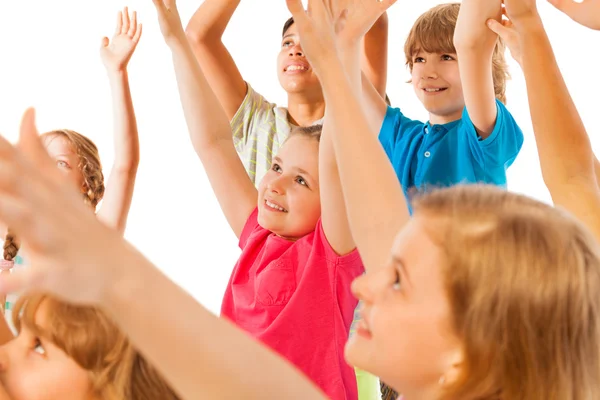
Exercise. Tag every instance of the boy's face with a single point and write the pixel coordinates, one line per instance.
(436, 81)
(289, 202)
(34, 368)
(293, 69)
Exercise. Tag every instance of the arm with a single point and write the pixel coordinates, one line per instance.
(115, 55)
(205, 32)
(208, 125)
(474, 45)
(375, 55)
(564, 149)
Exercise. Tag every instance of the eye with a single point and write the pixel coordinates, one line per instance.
(62, 164)
(418, 60)
(287, 43)
(38, 347)
(301, 181)
(447, 57)
(276, 168)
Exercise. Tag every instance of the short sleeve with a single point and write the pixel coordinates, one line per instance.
(253, 111)
(394, 124)
(502, 146)
(351, 260)
(249, 228)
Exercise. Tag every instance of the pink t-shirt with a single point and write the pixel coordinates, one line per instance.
(295, 297)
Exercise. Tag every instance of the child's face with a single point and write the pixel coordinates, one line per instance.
(61, 151)
(289, 204)
(293, 69)
(33, 368)
(436, 81)
(405, 336)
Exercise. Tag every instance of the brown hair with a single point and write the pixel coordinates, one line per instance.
(311, 132)
(117, 371)
(287, 25)
(522, 280)
(433, 32)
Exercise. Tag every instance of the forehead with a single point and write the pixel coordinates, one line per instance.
(421, 256)
(291, 31)
(58, 144)
(301, 152)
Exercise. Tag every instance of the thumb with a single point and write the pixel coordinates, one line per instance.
(497, 27)
(104, 43)
(19, 281)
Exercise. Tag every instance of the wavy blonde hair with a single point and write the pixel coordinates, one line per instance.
(116, 369)
(523, 283)
(433, 32)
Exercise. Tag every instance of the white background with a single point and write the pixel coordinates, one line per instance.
(49, 59)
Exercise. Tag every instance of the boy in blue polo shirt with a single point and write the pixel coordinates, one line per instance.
(459, 74)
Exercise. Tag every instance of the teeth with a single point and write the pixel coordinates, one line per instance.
(433, 90)
(274, 206)
(296, 68)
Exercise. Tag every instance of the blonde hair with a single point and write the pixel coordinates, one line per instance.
(311, 131)
(522, 280)
(433, 32)
(117, 371)
(89, 164)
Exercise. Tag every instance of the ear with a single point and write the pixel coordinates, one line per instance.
(454, 362)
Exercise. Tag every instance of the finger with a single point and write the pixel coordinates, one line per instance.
(133, 25)
(138, 33)
(125, 26)
(105, 42)
(296, 9)
(497, 28)
(119, 23)
(31, 146)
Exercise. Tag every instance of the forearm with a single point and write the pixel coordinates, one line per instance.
(198, 353)
(206, 120)
(368, 179)
(126, 139)
(375, 55)
(471, 31)
(563, 145)
(210, 20)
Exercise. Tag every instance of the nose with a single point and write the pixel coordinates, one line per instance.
(296, 51)
(277, 185)
(429, 71)
(367, 286)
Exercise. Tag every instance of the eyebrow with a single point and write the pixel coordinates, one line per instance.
(288, 36)
(278, 160)
(400, 263)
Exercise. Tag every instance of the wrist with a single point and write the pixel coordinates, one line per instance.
(530, 23)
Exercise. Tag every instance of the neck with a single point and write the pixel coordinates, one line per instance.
(435, 119)
(304, 109)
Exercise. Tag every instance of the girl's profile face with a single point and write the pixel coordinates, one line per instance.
(405, 336)
(61, 151)
(34, 368)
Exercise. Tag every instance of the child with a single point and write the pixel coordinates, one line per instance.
(291, 285)
(77, 157)
(65, 351)
(573, 181)
(435, 315)
(260, 127)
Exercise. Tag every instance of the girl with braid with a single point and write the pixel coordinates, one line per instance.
(77, 157)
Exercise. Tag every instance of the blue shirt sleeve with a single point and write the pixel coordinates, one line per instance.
(392, 129)
(501, 147)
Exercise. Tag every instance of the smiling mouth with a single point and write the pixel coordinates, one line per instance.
(434, 90)
(295, 68)
(275, 206)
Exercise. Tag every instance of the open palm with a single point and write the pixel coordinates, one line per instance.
(360, 15)
(586, 12)
(117, 52)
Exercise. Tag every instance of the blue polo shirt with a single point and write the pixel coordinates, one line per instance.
(425, 155)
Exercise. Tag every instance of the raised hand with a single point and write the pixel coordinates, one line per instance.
(169, 20)
(585, 12)
(117, 52)
(358, 16)
(520, 10)
(71, 253)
